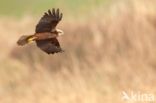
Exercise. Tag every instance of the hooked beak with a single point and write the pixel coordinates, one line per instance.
(60, 32)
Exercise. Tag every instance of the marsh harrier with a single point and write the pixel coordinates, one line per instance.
(46, 33)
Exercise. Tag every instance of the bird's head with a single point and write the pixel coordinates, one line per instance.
(60, 32)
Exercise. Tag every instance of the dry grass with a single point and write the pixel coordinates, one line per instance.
(103, 57)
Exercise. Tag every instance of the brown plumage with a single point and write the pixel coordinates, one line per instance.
(46, 33)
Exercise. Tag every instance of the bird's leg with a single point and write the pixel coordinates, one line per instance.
(31, 39)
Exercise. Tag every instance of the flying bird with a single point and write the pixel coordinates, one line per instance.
(46, 33)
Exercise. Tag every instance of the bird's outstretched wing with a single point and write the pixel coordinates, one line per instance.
(49, 21)
(49, 46)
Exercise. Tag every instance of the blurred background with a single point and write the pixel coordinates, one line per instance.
(109, 48)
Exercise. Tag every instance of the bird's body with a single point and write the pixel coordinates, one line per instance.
(46, 33)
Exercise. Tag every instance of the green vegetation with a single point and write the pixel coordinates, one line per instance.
(20, 7)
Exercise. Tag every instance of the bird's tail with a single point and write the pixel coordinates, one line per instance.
(25, 39)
